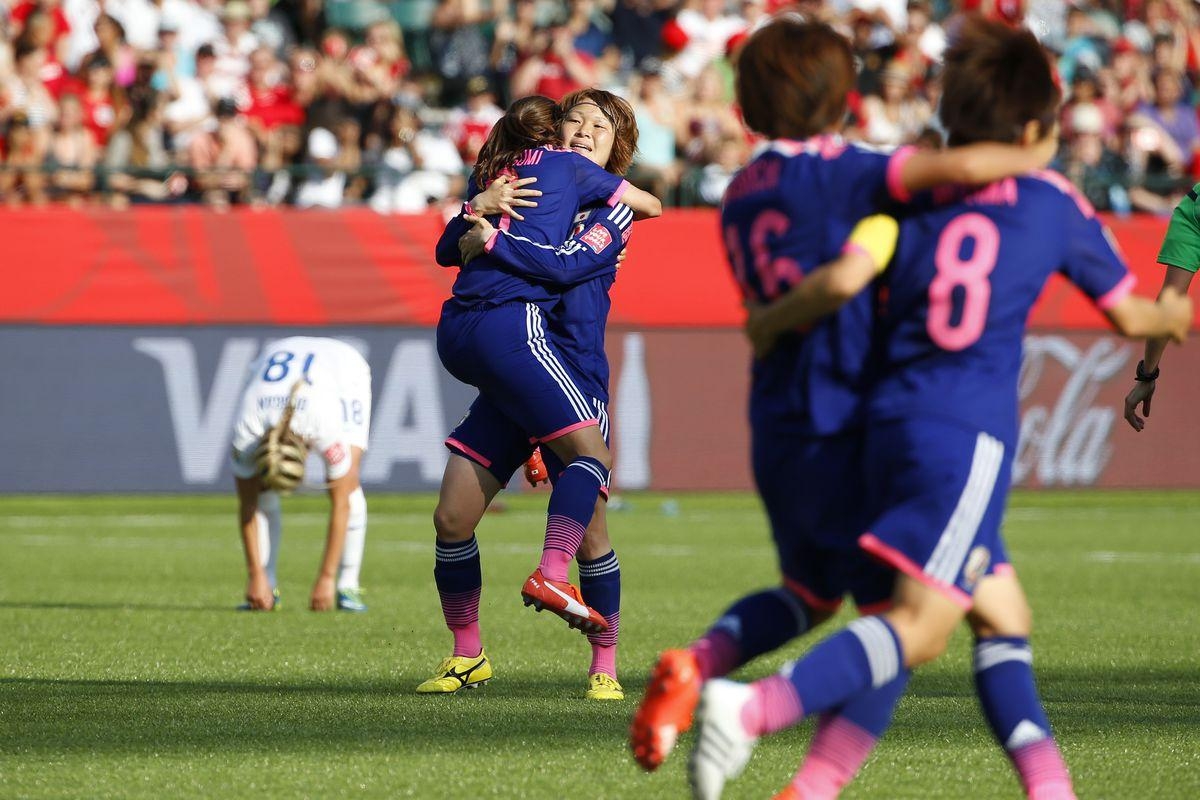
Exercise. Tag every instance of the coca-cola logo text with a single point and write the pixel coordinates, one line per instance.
(1065, 437)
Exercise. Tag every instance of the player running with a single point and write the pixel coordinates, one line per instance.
(942, 425)
(303, 393)
(489, 445)
(786, 212)
(1180, 254)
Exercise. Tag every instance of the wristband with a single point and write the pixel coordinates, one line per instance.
(1141, 376)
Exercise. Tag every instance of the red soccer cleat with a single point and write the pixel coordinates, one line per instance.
(564, 600)
(666, 710)
(789, 793)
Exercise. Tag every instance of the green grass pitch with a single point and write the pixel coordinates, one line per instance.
(124, 671)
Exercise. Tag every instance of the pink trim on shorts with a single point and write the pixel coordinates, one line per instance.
(796, 587)
(564, 431)
(604, 492)
(454, 444)
(894, 558)
(619, 193)
(1118, 293)
(871, 609)
(895, 166)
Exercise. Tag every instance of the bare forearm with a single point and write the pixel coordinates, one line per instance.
(1180, 280)
(250, 546)
(335, 540)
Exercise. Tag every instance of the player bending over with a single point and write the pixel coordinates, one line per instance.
(785, 213)
(303, 393)
(942, 426)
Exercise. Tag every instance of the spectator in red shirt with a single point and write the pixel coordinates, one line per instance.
(60, 26)
(269, 99)
(104, 106)
(555, 69)
(469, 125)
(39, 31)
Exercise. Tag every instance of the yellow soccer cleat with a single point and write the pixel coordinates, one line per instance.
(604, 687)
(458, 672)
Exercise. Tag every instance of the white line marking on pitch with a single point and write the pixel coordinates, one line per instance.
(1113, 557)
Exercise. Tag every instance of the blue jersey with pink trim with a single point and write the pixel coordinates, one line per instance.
(579, 321)
(954, 301)
(568, 182)
(583, 269)
(785, 213)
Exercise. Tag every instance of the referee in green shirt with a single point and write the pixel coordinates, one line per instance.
(1180, 254)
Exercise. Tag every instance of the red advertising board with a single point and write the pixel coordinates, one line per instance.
(1072, 391)
(188, 265)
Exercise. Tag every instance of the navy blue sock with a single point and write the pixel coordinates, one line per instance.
(873, 711)
(1007, 692)
(1009, 697)
(459, 579)
(864, 656)
(567, 516)
(600, 585)
(756, 624)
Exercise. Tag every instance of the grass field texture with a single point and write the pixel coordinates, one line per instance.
(125, 672)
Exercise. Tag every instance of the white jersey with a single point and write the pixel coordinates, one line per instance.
(333, 408)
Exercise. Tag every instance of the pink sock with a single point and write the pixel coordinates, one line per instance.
(604, 659)
(466, 640)
(838, 749)
(563, 536)
(773, 706)
(716, 654)
(1043, 772)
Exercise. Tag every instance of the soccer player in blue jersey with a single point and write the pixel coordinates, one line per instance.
(942, 425)
(492, 335)
(788, 211)
(488, 446)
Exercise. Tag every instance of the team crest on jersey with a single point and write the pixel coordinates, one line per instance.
(597, 238)
(976, 566)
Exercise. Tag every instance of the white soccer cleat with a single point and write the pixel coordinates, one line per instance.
(722, 745)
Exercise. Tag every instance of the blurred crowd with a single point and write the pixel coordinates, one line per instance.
(321, 103)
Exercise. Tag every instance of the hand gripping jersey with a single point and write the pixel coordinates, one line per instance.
(785, 213)
(568, 182)
(955, 299)
(333, 411)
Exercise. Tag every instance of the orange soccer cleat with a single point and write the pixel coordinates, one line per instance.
(535, 468)
(666, 710)
(564, 600)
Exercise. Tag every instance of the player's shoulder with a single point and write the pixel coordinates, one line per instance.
(1050, 188)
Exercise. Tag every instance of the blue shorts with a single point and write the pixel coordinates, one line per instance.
(499, 445)
(936, 497)
(503, 351)
(812, 489)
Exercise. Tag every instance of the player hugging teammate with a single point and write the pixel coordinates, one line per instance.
(526, 327)
(929, 460)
